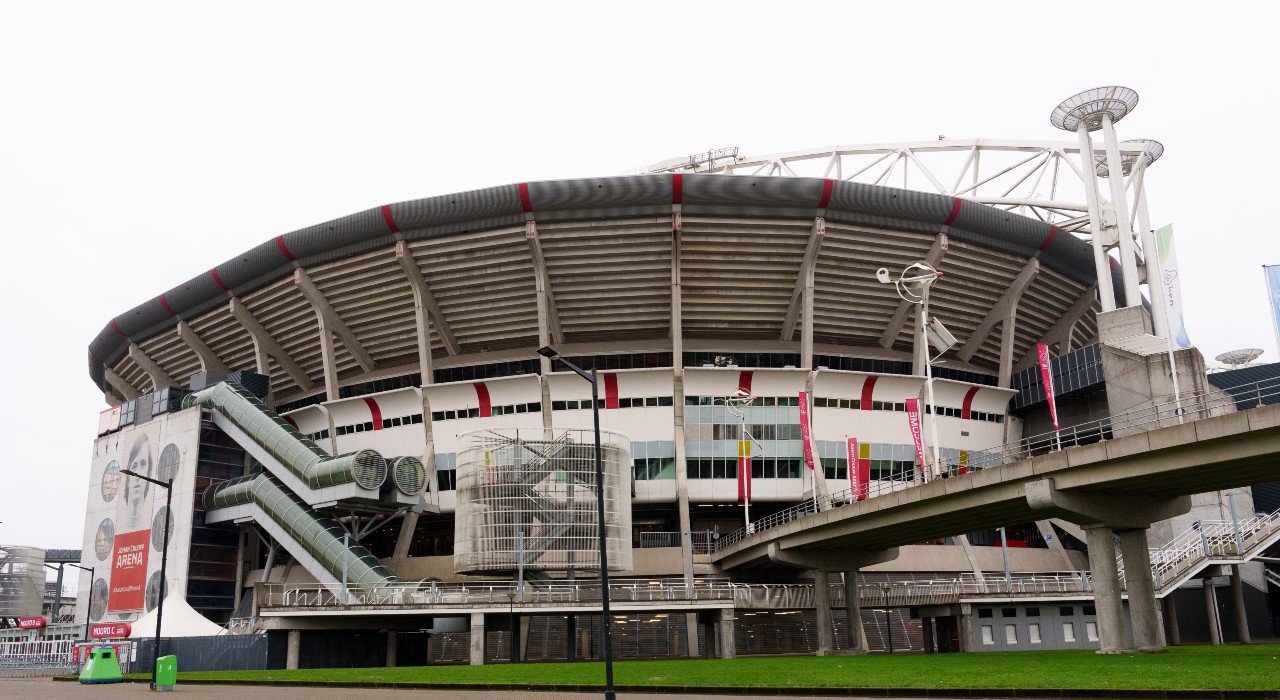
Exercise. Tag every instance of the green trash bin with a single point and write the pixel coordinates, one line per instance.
(166, 672)
(102, 666)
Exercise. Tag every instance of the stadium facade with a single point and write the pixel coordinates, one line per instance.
(322, 401)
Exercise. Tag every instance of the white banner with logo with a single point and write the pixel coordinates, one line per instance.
(1171, 289)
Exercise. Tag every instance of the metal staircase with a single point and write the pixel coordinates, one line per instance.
(1273, 577)
(1215, 542)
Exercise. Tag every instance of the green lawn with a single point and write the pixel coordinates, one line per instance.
(1215, 668)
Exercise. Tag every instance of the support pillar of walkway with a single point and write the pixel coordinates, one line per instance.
(1106, 590)
(1143, 614)
(853, 611)
(1172, 633)
(477, 639)
(822, 605)
(1237, 602)
(927, 625)
(391, 649)
(293, 649)
(1211, 612)
(728, 647)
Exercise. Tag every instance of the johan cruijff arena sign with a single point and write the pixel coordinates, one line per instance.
(125, 521)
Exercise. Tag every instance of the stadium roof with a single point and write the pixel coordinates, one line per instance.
(607, 246)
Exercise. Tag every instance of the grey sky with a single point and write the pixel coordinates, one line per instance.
(142, 143)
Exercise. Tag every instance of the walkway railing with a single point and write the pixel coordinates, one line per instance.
(701, 541)
(1141, 419)
(1213, 540)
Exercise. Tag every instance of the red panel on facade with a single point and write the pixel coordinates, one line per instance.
(968, 402)
(482, 393)
(744, 382)
(610, 391)
(374, 410)
(868, 389)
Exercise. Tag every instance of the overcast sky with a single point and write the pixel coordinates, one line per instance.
(142, 143)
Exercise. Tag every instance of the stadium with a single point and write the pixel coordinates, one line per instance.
(353, 405)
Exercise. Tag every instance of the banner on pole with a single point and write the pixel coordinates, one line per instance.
(1272, 273)
(1171, 289)
(913, 420)
(1046, 380)
(859, 471)
(744, 471)
(805, 432)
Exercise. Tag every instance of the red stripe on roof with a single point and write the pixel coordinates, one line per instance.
(291, 421)
(955, 211)
(375, 411)
(968, 402)
(827, 186)
(611, 390)
(283, 249)
(1053, 231)
(386, 217)
(744, 381)
(677, 188)
(868, 390)
(218, 280)
(525, 202)
(482, 393)
(117, 329)
(166, 306)
(94, 357)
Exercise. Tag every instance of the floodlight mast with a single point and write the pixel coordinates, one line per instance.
(922, 277)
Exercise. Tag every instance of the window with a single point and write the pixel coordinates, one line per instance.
(1033, 612)
(1010, 634)
(1091, 630)
(1090, 610)
(1008, 612)
(988, 637)
(1066, 611)
(447, 480)
(1033, 632)
(985, 612)
(1068, 632)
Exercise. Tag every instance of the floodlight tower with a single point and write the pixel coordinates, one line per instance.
(1134, 166)
(1092, 110)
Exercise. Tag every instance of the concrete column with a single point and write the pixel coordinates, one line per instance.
(1172, 633)
(1143, 614)
(391, 649)
(1211, 612)
(682, 476)
(728, 649)
(1237, 601)
(477, 639)
(1008, 330)
(965, 620)
(806, 321)
(822, 603)
(927, 624)
(1106, 590)
(853, 609)
(294, 649)
(327, 360)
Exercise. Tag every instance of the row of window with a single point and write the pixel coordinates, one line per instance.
(1064, 611)
(632, 402)
(504, 410)
(757, 401)
(856, 404)
(412, 419)
(952, 412)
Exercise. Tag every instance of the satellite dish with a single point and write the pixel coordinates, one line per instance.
(1239, 358)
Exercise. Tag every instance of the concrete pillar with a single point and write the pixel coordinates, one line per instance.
(1106, 589)
(294, 649)
(1172, 633)
(391, 649)
(965, 620)
(1008, 330)
(806, 321)
(822, 602)
(1237, 601)
(927, 624)
(1143, 614)
(853, 609)
(477, 639)
(328, 361)
(1211, 612)
(728, 648)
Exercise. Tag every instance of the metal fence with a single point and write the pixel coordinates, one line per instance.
(30, 659)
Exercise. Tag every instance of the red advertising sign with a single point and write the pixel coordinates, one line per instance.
(805, 436)
(1046, 379)
(31, 623)
(129, 571)
(913, 420)
(859, 471)
(110, 630)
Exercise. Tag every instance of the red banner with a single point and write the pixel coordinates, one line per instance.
(744, 471)
(31, 623)
(805, 436)
(110, 630)
(913, 420)
(859, 471)
(1046, 379)
(129, 571)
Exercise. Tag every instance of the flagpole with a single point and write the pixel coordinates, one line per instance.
(1164, 309)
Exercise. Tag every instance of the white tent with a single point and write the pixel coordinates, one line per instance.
(180, 620)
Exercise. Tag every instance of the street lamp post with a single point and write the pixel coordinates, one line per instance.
(164, 563)
(888, 623)
(89, 606)
(605, 637)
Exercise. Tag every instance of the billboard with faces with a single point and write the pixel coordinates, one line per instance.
(124, 525)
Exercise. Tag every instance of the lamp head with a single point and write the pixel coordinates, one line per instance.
(549, 352)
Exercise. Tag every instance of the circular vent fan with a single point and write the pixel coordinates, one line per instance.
(409, 475)
(370, 469)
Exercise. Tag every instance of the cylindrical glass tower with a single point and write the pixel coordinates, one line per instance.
(529, 495)
(21, 581)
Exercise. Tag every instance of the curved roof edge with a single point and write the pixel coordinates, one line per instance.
(639, 195)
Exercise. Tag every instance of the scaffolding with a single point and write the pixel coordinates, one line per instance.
(527, 501)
